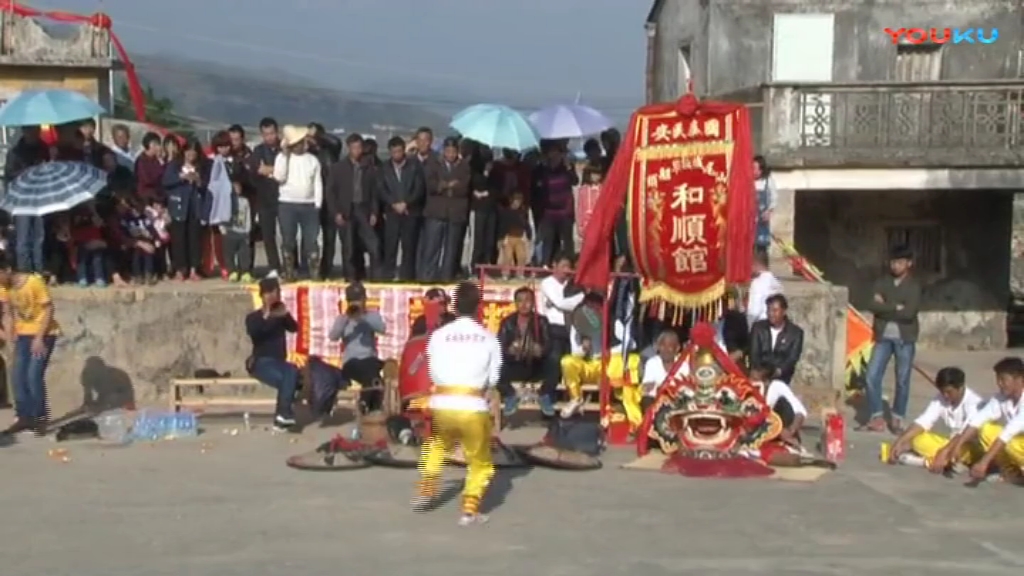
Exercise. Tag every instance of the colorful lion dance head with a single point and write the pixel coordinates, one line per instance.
(709, 418)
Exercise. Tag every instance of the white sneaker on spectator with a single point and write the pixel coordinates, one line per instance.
(283, 424)
(273, 274)
(571, 407)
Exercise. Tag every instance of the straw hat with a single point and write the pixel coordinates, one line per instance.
(292, 134)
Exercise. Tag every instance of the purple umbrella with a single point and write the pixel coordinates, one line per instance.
(569, 121)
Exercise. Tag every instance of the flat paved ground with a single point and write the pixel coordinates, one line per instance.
(223, 505)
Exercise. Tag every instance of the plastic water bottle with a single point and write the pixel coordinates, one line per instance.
(186, 425)
(354, 434)
(114, 426)
(153, 426)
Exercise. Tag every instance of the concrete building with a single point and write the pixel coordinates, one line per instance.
(72, 57)
(875, 142)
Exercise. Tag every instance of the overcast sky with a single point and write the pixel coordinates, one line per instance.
(521, 52)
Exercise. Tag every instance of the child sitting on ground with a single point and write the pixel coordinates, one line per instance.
(781, 399)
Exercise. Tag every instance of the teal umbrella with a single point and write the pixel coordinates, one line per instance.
(496, 126)
(51, 106)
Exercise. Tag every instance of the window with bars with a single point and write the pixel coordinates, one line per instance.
(924, 240)
(918, 63)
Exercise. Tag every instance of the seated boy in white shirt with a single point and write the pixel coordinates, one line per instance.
(998, 428)
(953, 406)
(656, 368)
(778, 395)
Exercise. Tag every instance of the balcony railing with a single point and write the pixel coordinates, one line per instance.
(942, 124)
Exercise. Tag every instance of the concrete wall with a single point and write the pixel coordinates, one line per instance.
(24, 41)
(129, 343)
(965, 305)
(681, 22)
(119, 344)
(731, 40)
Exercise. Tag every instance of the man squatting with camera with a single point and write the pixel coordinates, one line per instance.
(357, 330)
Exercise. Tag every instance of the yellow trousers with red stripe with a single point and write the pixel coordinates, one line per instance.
(577, 370)
(473, 431)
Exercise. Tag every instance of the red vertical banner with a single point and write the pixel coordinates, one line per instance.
(677, 207)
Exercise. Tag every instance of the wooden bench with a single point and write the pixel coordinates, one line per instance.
(209, 393)
(527, 391)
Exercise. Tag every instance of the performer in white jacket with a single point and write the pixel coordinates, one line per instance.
(464, 360)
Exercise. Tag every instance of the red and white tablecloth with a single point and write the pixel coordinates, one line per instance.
(316, 305)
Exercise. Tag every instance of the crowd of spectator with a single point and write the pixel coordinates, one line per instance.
(175, 209)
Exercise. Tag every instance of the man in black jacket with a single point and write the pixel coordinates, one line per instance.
(327, 149)
(351, 202)
(261, 170)
(444, 215)
(777, 341)
(401, 185)
(268, 328)
(895, 304)
(526, 344)
(28, 151)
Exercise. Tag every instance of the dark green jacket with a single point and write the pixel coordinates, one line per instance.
(908, 295)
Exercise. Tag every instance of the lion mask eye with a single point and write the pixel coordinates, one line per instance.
(727, 396)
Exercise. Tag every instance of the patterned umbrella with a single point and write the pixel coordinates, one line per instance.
(54, 106)
(52, 187)
(569, 121)
(497, 126)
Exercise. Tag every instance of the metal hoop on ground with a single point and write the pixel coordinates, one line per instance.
(395, 456)
(502, 456)
(559, 459)
(329, 457)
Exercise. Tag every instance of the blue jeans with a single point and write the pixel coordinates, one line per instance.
(142, 264)
(282, 376)
(29, 378)
(882, 351)
(29, 235)
(91, 259)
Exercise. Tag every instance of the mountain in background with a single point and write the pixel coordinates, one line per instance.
(227, 94)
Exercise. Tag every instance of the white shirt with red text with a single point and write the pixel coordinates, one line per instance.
(463, 354)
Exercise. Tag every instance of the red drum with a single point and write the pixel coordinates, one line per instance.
(413, 375)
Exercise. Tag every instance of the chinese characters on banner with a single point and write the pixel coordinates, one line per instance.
(315, 307)
(677, 207)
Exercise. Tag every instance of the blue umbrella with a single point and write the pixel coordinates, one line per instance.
(55, 106)
(569, 121)
(497, 126)
(52, 187)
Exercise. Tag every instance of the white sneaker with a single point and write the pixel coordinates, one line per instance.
(470, 519)
(571, 408)
(272, 274)
(283, 424)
